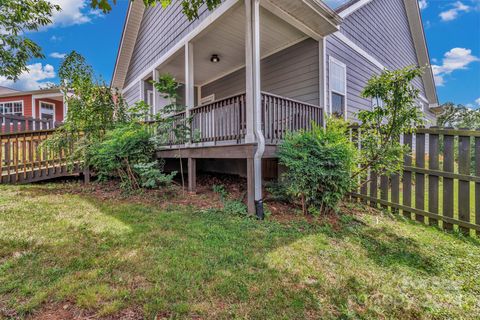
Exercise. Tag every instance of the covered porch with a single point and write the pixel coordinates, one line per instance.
(251, 75)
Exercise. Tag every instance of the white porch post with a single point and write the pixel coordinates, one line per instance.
(190, 103)
(254, 106)
(156, 94)
(322, 67)
(250, 96)
(189, 78)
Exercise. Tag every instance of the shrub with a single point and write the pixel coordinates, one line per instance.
(120, 150)
(319, 164)
(152, 176)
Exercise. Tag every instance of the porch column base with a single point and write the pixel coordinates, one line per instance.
(192, 175)
(250, 186)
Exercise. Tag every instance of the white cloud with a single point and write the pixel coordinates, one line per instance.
(36, 78)
(57, 55)
(452, 13)
(423, 4)
(55, 38)
(455, 59)
(73, 12)
(478, 102)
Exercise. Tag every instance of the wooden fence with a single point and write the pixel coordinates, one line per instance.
(440, 183)
(13, 123)
(25, 158)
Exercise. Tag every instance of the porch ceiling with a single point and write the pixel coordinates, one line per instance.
(226, 38)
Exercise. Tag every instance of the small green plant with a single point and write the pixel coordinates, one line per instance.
(319, 165)
(152, 176)
(231, 207)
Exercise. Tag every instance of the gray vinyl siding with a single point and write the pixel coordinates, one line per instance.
(381, 28)
(293, 73)
(132, 95)
(359, 70)
(160, 30)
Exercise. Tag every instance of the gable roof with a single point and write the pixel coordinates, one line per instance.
(418, 36)
(5, 90)
(126, 46)
(15, 93)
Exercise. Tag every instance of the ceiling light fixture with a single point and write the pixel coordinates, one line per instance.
(215, 58)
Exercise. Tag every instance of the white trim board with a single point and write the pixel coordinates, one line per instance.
(340, 36)
(354, 7)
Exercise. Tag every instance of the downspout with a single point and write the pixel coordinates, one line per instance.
(258, 112)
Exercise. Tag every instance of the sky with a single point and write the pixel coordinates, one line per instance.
(452, 29)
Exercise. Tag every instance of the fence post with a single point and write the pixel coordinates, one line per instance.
(395, 186)
(407, 176)
(464, 162)
(433, 153)
(420, 177)
(448, 166)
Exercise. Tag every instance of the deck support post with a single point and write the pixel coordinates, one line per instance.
(86, 175)
(250, 186)
(192, 175)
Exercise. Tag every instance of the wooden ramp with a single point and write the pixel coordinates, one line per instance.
(24, 158)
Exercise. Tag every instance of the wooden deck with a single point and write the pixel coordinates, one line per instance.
(219, 129)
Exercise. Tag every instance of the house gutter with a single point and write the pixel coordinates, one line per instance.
(257, 160)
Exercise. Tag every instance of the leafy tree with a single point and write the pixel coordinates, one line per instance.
(17, 17)
(92, 109)
(190, 7)
(382, 126)
(459, 116)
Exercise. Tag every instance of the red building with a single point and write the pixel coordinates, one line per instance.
(47, 104)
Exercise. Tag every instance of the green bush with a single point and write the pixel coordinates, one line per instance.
(120, 150)
(318, 165)
(152, 176)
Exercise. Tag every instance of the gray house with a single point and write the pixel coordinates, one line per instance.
(251, 70)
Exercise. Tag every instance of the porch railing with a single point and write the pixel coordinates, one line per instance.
(13, 123)
(225, 120)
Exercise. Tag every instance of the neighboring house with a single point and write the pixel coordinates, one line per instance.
(44, 104)
(253, 69)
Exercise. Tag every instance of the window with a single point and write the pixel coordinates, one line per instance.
(47, 111)
(14, 107)
(338, 87)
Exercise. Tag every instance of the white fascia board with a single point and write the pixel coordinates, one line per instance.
(354, 7)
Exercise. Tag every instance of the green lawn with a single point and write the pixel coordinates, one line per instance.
(113, 258)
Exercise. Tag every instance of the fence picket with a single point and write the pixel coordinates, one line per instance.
(407, 176)
(477, 184)
(464, 161)
(448, 166)
(420, 177)
(433, 164)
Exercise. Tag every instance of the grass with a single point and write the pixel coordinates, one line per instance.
(104, 257)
